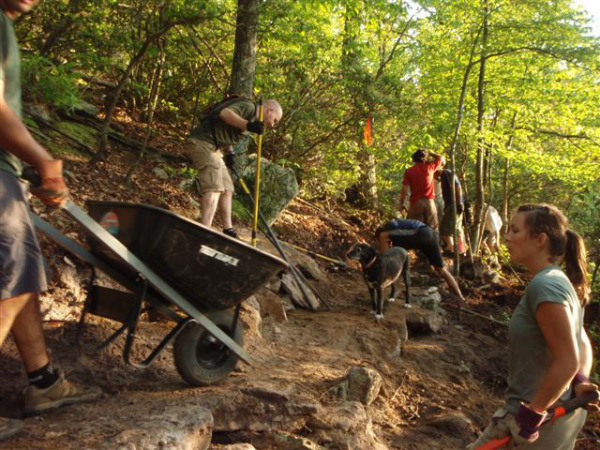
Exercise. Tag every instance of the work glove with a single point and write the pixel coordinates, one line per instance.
(256, 126)
(52, 190)
(525, 427)
(459, 208)
(229, 159)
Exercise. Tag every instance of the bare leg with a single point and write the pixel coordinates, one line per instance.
(21, 315)
(9, 310)
(225, 201)
(450, 281)
(209, 204)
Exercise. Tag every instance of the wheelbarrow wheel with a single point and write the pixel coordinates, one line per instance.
(200, 358)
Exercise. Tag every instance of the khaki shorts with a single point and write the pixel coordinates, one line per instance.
(212, 172)
(424, 210)
(557, 435)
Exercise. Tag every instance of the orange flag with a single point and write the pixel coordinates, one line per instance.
(368, 132)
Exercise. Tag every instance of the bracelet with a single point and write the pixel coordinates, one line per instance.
(578, 379)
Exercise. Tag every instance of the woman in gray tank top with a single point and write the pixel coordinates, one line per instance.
(550, 354)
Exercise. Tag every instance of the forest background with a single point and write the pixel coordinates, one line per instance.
(508, 90)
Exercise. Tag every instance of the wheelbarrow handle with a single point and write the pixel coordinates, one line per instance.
(553, 414)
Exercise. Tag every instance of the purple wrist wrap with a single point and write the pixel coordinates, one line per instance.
(578, 379)
(530, 422)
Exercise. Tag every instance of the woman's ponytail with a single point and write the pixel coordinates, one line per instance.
(576, 265)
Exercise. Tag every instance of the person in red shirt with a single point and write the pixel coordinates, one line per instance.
(420, 180)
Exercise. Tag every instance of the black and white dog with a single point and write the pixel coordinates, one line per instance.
(381, 271)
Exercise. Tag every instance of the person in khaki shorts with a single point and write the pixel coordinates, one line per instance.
(419, 179)
(212, 137)
(22, 273)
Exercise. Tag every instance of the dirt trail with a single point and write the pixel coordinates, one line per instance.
(310, 352)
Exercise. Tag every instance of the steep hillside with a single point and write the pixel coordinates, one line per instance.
(431, 390)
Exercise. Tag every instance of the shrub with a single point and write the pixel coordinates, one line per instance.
(47, 83)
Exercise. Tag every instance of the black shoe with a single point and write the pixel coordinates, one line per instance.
(231, 232)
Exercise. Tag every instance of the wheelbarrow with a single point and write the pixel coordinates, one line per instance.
(180, 269)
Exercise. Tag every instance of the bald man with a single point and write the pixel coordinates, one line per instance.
(210, 148)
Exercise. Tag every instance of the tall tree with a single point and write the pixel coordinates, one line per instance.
(244, 56)
(153, 22)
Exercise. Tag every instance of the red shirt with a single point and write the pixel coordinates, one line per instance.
(420, 179)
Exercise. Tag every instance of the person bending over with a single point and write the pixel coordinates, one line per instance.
(205, 146)
(415, 235)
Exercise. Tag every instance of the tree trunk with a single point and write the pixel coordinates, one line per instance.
(368, 177)
(488, 163)
(102, 151)
(505, 200)
(152, 101)
(244, 54)
(478, 213)
(454, 143)
(367, 183)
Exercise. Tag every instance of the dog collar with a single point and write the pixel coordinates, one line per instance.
(370, 263)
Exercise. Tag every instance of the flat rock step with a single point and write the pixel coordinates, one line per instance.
(140, 421)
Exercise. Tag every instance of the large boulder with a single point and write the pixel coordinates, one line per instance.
(84, 108)
(422, 321)
(344, 426)
(278, 186)
(239, 446)
(278, 440)
(301, 295)
(454, 423)
(427, 297)
(258, 409)
(364, 384)
(250, 316)
(137, 421)
(307, 265)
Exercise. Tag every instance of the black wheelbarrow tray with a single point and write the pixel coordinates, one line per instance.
(176, 267)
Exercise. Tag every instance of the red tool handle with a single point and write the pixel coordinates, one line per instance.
(553, 414)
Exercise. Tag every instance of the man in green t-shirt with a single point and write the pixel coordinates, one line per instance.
(22, 273)
(208, 141)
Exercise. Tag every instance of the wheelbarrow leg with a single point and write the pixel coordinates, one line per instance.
(133, 322)
(159, 348)
(86, 307)
(130, 323)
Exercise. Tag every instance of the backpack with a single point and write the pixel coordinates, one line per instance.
(211, 112)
